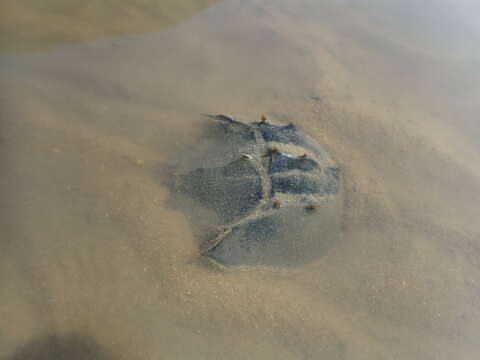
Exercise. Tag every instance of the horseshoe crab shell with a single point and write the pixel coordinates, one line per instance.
(275, 192)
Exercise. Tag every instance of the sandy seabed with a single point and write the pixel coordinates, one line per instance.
(95, 264)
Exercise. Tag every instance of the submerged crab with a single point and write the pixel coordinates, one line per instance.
(275, 193)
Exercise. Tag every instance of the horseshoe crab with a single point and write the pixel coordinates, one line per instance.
(275, 194)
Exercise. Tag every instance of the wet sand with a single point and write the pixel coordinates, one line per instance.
(93, 257)
(27, 25)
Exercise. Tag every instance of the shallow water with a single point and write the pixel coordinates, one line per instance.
(95, 260)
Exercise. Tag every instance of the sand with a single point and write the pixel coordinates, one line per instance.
(95, 263)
